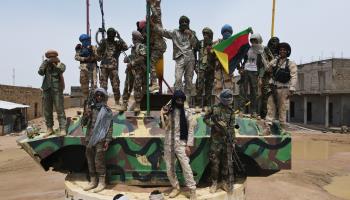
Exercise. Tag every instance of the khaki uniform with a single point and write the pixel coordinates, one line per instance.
(53, 92)
(109, 53)
(218, 141)
(175, 148)
(281, 92)
(88, 71)
(138, 69)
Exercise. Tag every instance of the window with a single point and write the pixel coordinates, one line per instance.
(292, 107)
(35, 110)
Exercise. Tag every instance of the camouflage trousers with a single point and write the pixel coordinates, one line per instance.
(218, 157)
(184, 160)
(112, 74)
(265, 89)
(251, 82)
(204, 87)
(139, 83)
(54, 97)
(280, 105)
(87, 77)
(128, 85)
(155, 56)
(95, 157)
(184, 67)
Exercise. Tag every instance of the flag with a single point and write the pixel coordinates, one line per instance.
(231, 51)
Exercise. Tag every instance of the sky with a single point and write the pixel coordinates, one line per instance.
(315, 29)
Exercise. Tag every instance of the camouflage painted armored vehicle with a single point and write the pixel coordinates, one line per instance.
(135, 154)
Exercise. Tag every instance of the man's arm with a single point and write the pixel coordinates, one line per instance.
(43, 67)
(61, 67)
(293, 73)
(163, 32)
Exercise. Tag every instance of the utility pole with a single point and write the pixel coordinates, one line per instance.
(273, 18)
(87, 18)
(13, 76)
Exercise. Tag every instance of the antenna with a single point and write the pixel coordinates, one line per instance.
(13, 76)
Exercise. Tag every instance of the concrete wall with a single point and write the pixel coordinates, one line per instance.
(23, 95)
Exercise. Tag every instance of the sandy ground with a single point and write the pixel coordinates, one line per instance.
(317, 158)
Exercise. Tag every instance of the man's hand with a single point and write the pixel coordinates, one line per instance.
(188, 32)
(54, 60)
(188, 151)
(105, 146)
(118, 35)
(222, 123)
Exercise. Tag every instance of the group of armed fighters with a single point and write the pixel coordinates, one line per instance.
(266, 72)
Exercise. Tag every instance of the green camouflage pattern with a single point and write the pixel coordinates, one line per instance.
(135, 155)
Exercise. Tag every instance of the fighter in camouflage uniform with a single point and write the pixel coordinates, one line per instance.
(222, 79)
(97, 118)
(157, 42)
(137, 66)
(86, 54)
(177, 142)
(271, 52)
(53, 85)
(109, 51)
(205, 70)
(184, 42)
(220, 115)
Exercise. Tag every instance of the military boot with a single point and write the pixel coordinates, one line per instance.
(49, 132)
(213, 187)
(101, 184)
(62, 132)
(174, 192)
(92, 184)
(137, 107)
(154, 88)
(124, 107)
(193, 195)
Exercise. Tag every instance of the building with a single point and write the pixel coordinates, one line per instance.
(322, 93)
(24, 95)
(12, 117)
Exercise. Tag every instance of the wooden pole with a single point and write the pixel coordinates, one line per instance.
(273, 18)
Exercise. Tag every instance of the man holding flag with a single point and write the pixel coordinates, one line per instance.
(229, 50)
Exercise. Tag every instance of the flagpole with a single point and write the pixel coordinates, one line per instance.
(148, 57)
(273, 18)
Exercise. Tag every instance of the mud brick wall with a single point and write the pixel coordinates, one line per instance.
(24, 95)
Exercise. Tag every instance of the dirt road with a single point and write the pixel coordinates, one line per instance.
(317, 158)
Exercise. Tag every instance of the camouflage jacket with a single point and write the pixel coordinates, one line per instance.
(206, 59)
(219, 112)
(110, 51)
(93, 58)
(157, 42)
(89, 122)
(293, 73)
(137, 58)
(52, 74)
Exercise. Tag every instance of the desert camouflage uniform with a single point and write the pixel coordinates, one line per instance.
(53, 92)
(109, 53)
(96, 154)
(218, 145)
(174, 148)
(157, 42)
(128, 84)
(222, 79)
(183, 54)
(282, 91)
(205, 75)
(88, 70)
(138, 69)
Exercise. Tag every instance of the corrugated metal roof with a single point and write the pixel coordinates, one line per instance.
(10, 105)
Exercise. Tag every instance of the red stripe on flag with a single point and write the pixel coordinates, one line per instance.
(232, 50)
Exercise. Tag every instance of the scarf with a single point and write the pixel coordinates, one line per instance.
(102, 124)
